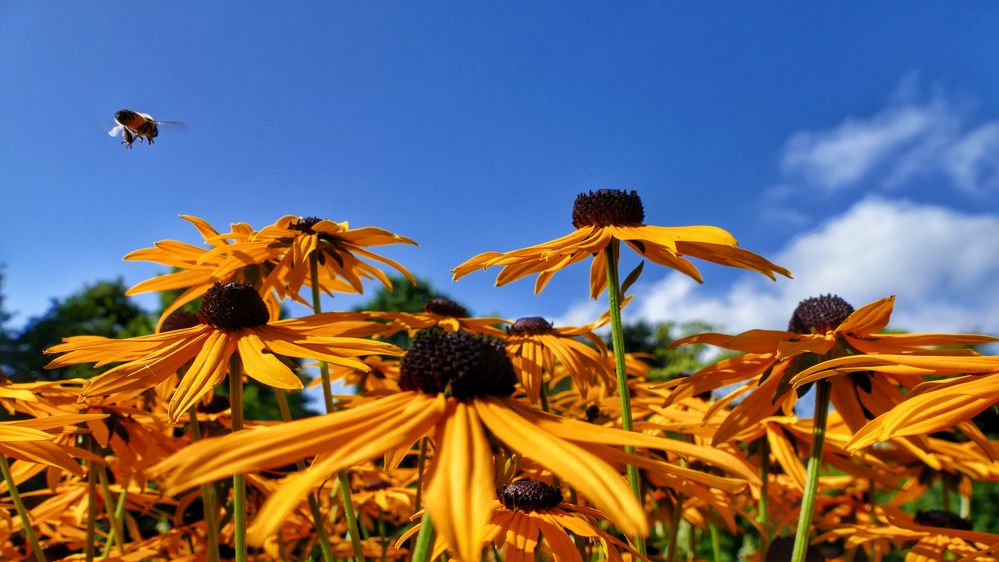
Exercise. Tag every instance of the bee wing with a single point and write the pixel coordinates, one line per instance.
(116, 130)
(178, 124)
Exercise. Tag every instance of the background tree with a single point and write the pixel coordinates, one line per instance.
(654, 340)
(6, 338)
(100, 309)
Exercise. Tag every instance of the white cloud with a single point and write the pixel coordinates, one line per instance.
(942, 265)
(911, 137)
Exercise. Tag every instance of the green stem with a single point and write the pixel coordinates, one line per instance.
(674, 531)
(118, 515)
(29, 532)
(91, 505)
(544, 396)
(317, 514)
(208, 500)
(383, 535)
(945, 493)
(617, 340)
(238, 480)
(420, 465)
(822, 391)
(425, 540)
(715, 543)
(324, 372)
(116, 534)
(350, 515)
(764, 516)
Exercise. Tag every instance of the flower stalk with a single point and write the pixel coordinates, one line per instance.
(238, 480)
(317, 514)
(425, 540)
(116, 535)
(90, 550)
(822, 394)
(617, 338)
(208, 499)
(764, 517)
(324, 373)
(22, 513)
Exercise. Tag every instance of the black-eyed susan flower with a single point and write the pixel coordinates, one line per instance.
(609, 216)
(439, 312)
(193, 273)
(292, 243)
(930, 535)
(382, 375)
(933, 405)
(234, 320)
(36, 441)
(537, 347)
(456, 387)
(774, 362)
(532, 518)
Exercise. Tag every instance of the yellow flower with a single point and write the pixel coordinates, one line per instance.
(234, 320)
(537, 347)
(34, 441)
(196, 274)
(606, 217)
(291, 242)
(531, 515)
(933, 405)
(931, 535)
(455, 387)
(776, 362)
(440, 313)
(382, 375)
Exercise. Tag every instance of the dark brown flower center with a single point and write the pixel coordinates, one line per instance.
(457, 363)
(942, 518)
(445, 307)
(233, 306)
(530, 495)
(592, 412)
(178, 320)
(606, 207)
(819, 314)
(304, 225)
(530, 326)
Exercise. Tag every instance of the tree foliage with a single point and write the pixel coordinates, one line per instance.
(653, 340)
(100, 309)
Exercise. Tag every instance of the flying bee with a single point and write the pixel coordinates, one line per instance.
(133, 125)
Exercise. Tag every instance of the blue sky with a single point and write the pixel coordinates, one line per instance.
(855, 143)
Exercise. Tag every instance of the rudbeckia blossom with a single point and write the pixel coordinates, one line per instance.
(291, 242)
(931, 535)
(234, 320)
(195, 274)
(537, 347)
(455, 387)
(440, 313)
(775, 362)
(608, 216)
(531, 517)
(35, 441)
(931, 406)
